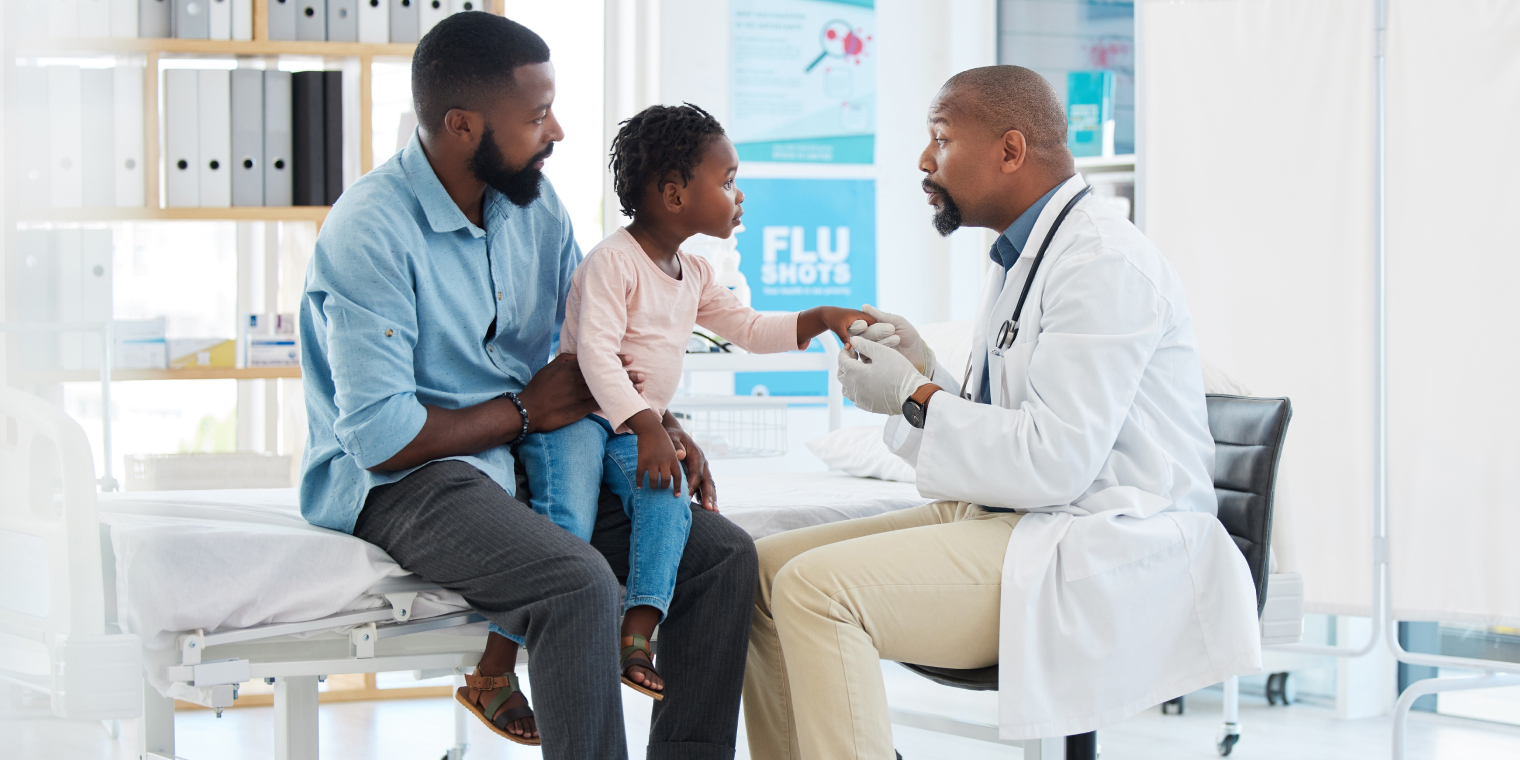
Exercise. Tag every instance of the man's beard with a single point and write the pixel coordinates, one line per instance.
(947, 218)
(521, 187)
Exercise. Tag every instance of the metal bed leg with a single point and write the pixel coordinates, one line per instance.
(1229, 733)
(461, 727)
(295, 718)
(155, 729)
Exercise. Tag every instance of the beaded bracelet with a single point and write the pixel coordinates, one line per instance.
(522, 411)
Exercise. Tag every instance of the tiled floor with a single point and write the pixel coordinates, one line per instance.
(423, 729)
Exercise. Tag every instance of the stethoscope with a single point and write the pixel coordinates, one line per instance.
(1008, 332)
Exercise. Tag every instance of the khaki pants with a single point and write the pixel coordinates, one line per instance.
(918, 585)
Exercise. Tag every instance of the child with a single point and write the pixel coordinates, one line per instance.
(637, 295)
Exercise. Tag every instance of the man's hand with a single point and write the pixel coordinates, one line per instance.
(842, 322)
(907, 341)
(880, 380)
(557, 395)
(698, 477)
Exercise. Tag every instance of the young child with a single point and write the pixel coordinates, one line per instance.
(637, 295)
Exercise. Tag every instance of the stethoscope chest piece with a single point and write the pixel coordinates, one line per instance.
(1007, 334)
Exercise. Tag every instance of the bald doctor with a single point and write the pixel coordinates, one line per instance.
(1076, 544)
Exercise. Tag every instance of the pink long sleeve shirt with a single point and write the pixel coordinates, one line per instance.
(621, 303)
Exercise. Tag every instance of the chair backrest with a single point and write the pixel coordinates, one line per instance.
(1248, 439)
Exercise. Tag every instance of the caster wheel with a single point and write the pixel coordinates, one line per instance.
(1172, 704)
(1227, 744)
(1277, 688)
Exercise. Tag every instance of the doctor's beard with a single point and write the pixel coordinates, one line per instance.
(521, 187)
(947, 218)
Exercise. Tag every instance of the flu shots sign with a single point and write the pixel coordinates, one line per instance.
(806, 243)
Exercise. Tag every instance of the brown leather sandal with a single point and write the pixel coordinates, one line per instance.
(631, 646)
(469, 696)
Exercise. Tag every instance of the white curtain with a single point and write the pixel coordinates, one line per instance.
(1255, 140)
(1454, 309)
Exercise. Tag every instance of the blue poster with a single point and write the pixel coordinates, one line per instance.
(805, 243)
(802, 77)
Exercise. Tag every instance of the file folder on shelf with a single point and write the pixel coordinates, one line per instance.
(278, 174)
(311, 20)
(219, 19)
(69, 256)
(94, 18)
(403, 21)
(332, 143)
(127, 158)
(153, 18)
(31, 299)
(242, 19)
(429, 14)
(65, 136)
(95, 292)
(463, 6)
(247, 137)
(63, 18)
(374, 21)
(342, 21)
(33, 167)
(182, 136)
(124, 15)
(214, 101)
(97, 89)
(191, 19)
(308, 138)
(29, 19)
(282, 19)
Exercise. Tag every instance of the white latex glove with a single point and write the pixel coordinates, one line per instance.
(894, 332)
(880, 380)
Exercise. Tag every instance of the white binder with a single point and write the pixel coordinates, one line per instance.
(282, 18)
(63, 18)
(403, 20)
(342, 21)
(278, 176)
(124, 18)
(247, 137)
(429, 13)
(374, 21)
(33, 167)
(97, 161)
(95, 274)
(460, 6)
(64, 136)
(311, 20)
(182, 137)
(242, 19)
(29, 276)
(69, 259)
(214, 102)
(153, 18)
(220, 17)
(191, 19)
(127, 161)
(27, 19)
(94, 18)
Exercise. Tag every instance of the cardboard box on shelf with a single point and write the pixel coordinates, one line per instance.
(186, 353)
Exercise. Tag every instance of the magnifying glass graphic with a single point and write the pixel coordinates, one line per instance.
(838, 40)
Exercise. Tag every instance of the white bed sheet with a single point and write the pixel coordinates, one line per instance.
(228, 559)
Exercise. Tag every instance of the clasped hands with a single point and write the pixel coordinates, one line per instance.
(883, 363)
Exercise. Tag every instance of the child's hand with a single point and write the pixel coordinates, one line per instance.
(657, 457)
(819, 319)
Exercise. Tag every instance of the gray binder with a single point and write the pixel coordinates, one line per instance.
(191, 19)
(311, 20)
(97, 158)
(282, 18)
(153, 18)
(277, 172)
(342, 21)
(403, 21)
(247, 137)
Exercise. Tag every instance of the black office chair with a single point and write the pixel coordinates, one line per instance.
(1248, 440)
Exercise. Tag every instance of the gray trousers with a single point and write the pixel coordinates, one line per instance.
(453, 526)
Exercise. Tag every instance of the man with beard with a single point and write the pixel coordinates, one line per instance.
(431, 309)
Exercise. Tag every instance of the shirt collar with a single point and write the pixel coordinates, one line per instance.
(443, 213)
(1011, 243)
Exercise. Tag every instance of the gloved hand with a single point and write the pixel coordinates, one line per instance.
(893, 331)
(880, 380)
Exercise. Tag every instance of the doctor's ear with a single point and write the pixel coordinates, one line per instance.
(1015, 151)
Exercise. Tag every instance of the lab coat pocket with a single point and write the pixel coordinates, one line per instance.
(1013, 374)
(1101, 542)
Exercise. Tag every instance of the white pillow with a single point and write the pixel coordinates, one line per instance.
(860, 451)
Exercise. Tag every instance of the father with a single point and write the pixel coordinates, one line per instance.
(432, 306)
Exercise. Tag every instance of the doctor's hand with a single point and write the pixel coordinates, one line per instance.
(880, 380)
(893, 331)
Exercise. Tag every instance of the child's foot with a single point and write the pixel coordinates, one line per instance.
(638, 667)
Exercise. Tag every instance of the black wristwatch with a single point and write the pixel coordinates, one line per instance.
(914, 412)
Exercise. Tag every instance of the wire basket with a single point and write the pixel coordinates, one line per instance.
(195, 472)
(730, 427)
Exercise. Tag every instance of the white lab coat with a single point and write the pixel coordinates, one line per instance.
(1121, 589)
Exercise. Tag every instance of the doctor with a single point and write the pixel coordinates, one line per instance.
(1076, 544)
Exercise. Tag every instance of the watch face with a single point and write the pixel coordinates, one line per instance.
(914, 413)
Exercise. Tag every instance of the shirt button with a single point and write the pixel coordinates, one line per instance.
(389, 332)
(498, 295)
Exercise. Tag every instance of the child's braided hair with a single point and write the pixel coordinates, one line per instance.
(656, 143)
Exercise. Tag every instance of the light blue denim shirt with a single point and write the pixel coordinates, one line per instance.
(1006, 251)
(399, 297)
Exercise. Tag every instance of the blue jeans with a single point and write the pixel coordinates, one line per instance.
(566, 470)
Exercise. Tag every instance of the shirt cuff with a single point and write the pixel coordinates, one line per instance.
(375, 435)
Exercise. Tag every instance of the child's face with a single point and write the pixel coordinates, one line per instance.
(713, 200)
